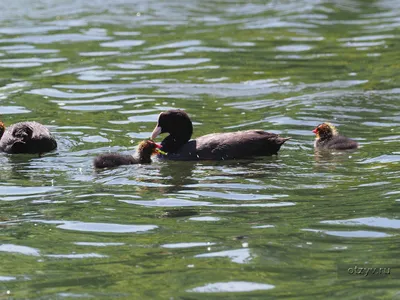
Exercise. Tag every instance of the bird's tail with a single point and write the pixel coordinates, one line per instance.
(282, 140)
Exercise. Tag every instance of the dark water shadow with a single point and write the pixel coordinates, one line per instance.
(177, 174)
(331, 159)
(15, 165)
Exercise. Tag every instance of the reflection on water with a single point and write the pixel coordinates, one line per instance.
(98, 73)
(232, 286)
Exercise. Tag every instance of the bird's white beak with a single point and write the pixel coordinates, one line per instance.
(156, 132)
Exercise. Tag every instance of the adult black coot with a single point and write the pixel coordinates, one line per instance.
(143, 156)
(327, 137)
(26, 137)
(215, 146)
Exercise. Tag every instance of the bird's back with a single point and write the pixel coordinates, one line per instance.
(110, 160)
(230, 145)
(239, 144)
(337, 142)
(27, 137)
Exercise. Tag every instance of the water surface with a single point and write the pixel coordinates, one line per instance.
(98, 73)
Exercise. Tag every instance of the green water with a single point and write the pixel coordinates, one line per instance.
(99, 73)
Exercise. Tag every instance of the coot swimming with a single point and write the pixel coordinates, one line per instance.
(26, 137)
(214, 146)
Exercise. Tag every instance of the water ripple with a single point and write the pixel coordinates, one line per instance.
(19, 249)
(232, 287)
(7, 278)
(187, 245)
(98, 73)
(169, 202)
(232, 196)
(75, 256)
(239, 256)
(352, 234)
(55, 38)
(13, 110)
(97, 244)
(14, 193)
(122, 43)
(51, 92)
(370, 221)
(98, 227)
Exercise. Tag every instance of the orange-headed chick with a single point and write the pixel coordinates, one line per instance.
(142, 156)
(327, 137)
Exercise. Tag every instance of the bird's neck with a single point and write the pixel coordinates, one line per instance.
(325, 136)
(172, 144)
(143, 158)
